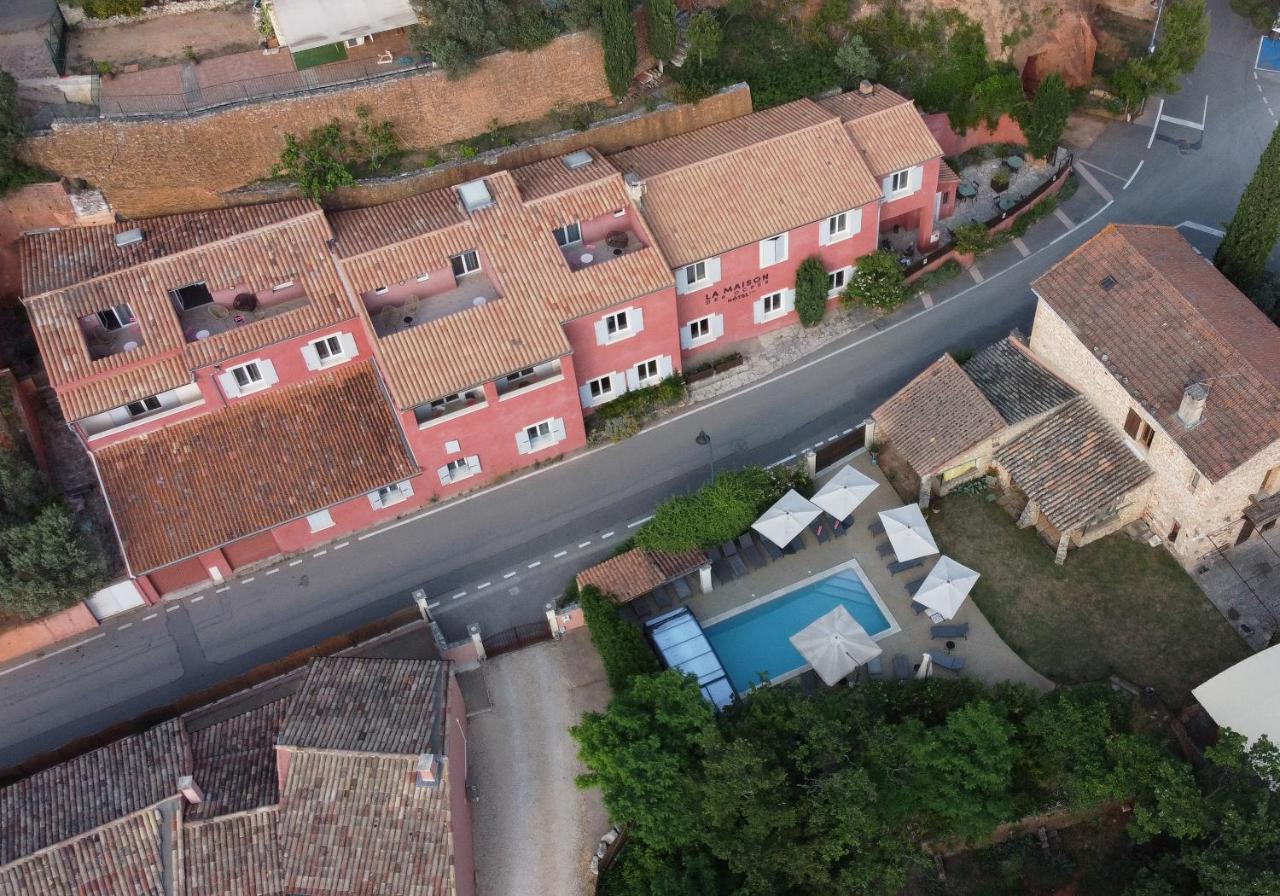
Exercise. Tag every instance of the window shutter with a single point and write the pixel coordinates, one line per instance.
(713, 271)
(686, 339)
(406, 489)
(269, 377)
(619, 384)
(230, 387)
(522, 442)
(766, 252)
(824, 232)
(855, 221)
(664, 366)
(633, 378)
(682, 282)
(584, 393)
(886, 186)
(1132, 423)
(717, 326)
(788, 300)
(602, 332)
(915, 178)
(757, 311)
(473, 464)
(311, 357)
(557, 429)
(348, 343)
(637, 319)
(375, 500)
(443, 473)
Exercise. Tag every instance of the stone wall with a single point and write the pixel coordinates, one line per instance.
(1006, 131)
(166, 165)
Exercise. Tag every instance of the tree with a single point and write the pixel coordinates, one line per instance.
(1045, 118)
(661, 20)
(1260, 13)
(12, 130)
(621, 646)
(877, 282)
(22, 489)
(704, 37)
(998, 94)
(459, 32)
(327, 158)
(811, 291)
(618, 33)
(645, 753)
(855, 61)
(1255, 227)
(1266, 295)
(1183, 39)
(1066, 753)
(46, 564)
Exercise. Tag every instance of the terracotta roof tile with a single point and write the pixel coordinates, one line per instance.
(1017, 385)
(1073, 465)
(936, 417)
(259, 462)
(1169, 320)
(636, 572)
(886, 127)
(235, 855)
(120, 859)
(720, 187)
(551, 176)
(234, 761)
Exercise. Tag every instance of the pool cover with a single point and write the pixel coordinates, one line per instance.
(1268, 54)
(680, 642)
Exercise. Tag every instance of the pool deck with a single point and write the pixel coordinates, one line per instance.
(986, 656)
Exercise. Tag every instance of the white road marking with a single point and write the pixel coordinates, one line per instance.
(1021, 246)
(1094, 182)
(1132, 176)
(778, 463)
(1062, 216)
(433, 606)
(639, 522)
(559, 555)
(1103, 170)
(1155, 126)
(585, 543)
(1203, 228)
(341, 545)
(54, 653)
(483, 585)
(847, 431)
(609, 534)
(535, 564)
(926, 299)
(294, 562)
(173, 608)
(832, 439)
(320, 553)
(196, 600)
(248, 580)
(508, 575)
(271, 572)
(975, 274)
(125, 626)
(1064, 235)
(460, 594)
(152, 616)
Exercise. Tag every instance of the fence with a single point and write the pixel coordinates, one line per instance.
(517, 637)
(841, 447)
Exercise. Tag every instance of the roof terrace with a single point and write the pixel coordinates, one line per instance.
(203, 313)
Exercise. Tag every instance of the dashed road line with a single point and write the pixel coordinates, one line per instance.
(639, 522)
(1067, 222)
(248, 580)
(196, 600)
(320, 553)
(294, 562)
(432, 606)
(847, 431)
(585, 543)
(557, 556)
(173, 608)
(976, 274)
(509, 575)
(125, 626)
(926, 299)
(1021, 246)
(777, 463)
(271, 572)
(831, 439)
(535, 564)
(483, 585)
(608, 534)
(459, 595)
(341, 545)
(152, 616)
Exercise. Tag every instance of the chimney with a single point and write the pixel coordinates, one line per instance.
(190, 790)
(866, 88)
(635, 187)
(1192, 408)
(427, 774)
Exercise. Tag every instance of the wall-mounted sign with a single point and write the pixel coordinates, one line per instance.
(735, 291)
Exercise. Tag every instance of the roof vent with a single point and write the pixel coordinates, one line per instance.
(579, 159)
(427, 773)
(128, 237)
(1107, 282)
(475, 195)
(635, 186)
(866, 88)
(1191, 411)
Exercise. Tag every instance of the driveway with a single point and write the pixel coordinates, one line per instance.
(535, 830)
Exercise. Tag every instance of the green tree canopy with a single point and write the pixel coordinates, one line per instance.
(618, 33)
(1045, 118)
(856, 61)
(46, 564)
(877, 282)
(1182, 41)
(1255, 227)
(811, 291)
(622, 647)
(661, 21)
(704, 37)
(12, 130)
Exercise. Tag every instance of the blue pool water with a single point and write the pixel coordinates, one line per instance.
(756, 641)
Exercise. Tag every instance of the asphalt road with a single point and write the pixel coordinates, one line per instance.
(498, 556)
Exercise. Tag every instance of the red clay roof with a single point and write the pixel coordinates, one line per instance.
(636, 572)
(887, 128)
(255, 464)
(1169, 320)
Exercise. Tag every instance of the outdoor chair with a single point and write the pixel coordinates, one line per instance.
(821, 531)
(943, 632)
(904, 565)
(877, 528)
(914, 585)
(683, 591)
(919, 608)
(884, 549)
(875, 669)
(755, 559)
(840, 529)
(774, 552)
(901, 668)
(735, 563)
(947, 661)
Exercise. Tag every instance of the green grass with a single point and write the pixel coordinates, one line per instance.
(1116, 606)
(319, 56)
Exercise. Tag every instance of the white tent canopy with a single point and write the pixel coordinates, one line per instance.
(834, 645)
(946, 586)
(786, 519)
(844, 492)
(908, 532)
(1245, 698)
(303, 24)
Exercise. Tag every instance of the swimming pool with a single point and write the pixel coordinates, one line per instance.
(756, 640)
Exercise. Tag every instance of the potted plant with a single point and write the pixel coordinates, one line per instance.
(105, 69)
(1000, 180)
(190, 52)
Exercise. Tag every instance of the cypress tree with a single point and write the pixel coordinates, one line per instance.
(1255, 227)
(662, 28)
(619, 37)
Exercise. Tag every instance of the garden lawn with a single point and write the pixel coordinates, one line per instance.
(319, 56)
(1116, 606)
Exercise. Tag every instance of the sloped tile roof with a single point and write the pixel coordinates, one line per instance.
(92, 790)
(234, 761)
(739, 181)
(289, 243)
(235, 855)
(358, 824)
(121, 859)
(365, 705)
(635, 573)
(1073, 465)
(261, 461)
(1169, 320)
(887, 128)
(1017, 385)
(936, 417)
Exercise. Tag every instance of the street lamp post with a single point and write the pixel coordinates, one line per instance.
(704, 439)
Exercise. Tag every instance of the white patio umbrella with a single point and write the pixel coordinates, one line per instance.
(908, 532)
(834, 645)
(946, 586)
(786, 519)
(844, 492)
(926, 666)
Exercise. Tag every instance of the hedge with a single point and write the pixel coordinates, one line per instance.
(621, 645)
(624, 416)
(811, 291)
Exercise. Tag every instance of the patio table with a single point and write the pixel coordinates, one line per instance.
(1006, 202)
(967, 191)
(1014, 162)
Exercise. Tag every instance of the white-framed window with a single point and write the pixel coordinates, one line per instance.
(899, 181)
(568, 235)
(695, 273)
(701, 331)
(329, 350)
(774, 305)
(700, 328)
(601, 388)
(840, 227)
(320, 520)
(144, 406)
(251, 376)
(648, 372)
(698, 275)
(619, 325)
(837, 280)
(459, 469)
(466, 263)
(837, 227)
(773, 250)
(540, 435)
(390, 495)
(115, 317)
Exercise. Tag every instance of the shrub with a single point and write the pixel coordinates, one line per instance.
(1040, 210)
(855, 61)
(704, 36)
(617, 31)
(1045, 118)
(105, 9)
(1255, 226)
(1000, 180)
(811, 291)
(661, 19)
(720, 510)
(972, 238)
(12, 129)
(624, 416)
(948, 270)
(877, 282)
(1260, 13)
(327, 158)
(621, 645)
(47, 564)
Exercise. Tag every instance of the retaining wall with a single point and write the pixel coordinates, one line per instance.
(1006, 131)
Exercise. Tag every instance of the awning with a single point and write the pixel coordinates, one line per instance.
(844, 492)
(835, 645)
(1245, 698)
(908, 532)
(946, 587)
(303, 24)
(787, 518)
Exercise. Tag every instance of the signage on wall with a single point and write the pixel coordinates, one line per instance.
(735, 291)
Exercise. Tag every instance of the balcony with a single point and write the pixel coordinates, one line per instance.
(614, 244)
(521, 380)
(431, 412)
(472, 291)
(209, 314)
(111, 331)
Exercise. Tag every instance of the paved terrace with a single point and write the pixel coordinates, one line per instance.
(986, 656)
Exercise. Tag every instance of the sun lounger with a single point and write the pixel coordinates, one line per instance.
(821, 531)
(739, 568)
(884, 549)
(877, 528)
(683, 591)
(946, 661)
(914, 585)
(774, 552)
(839, 530)
(901, 668)
(919, 608)
(904, 565)
(875, 668)
(753, 555)
(729, 549)
(941, 632)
